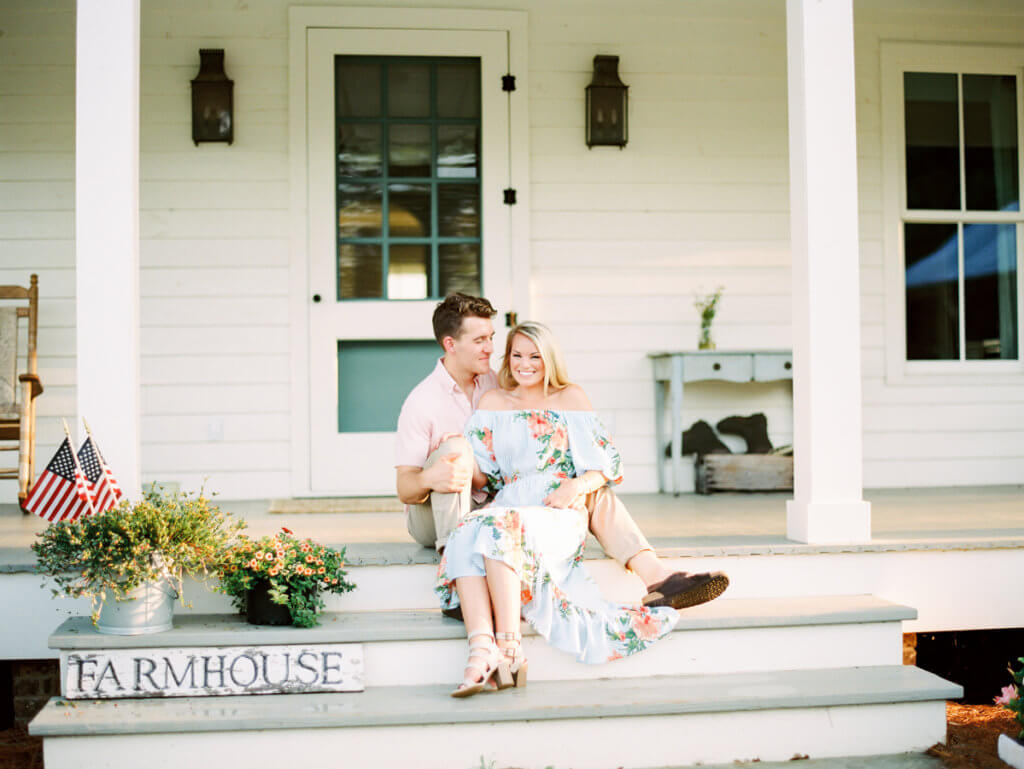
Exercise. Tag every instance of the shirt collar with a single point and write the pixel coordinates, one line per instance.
(448, 381)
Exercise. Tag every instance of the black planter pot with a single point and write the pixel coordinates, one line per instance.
(260, 610)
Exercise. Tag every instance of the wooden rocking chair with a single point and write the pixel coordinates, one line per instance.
(18, 414)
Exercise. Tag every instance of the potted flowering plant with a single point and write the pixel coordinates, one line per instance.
(279, 580)
(1011, 750)
(130, 559)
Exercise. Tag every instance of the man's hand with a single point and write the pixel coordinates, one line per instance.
(568, 494)
(449, 474)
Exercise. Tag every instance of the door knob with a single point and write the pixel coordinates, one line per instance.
(316, 298)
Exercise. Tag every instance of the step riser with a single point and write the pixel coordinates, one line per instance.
(688, 652)
(599, 743)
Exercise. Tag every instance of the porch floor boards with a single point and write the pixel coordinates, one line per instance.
(958, 518)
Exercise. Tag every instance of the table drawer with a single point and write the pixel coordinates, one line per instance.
(731, 368)
(771, 366)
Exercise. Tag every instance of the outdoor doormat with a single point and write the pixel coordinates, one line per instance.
(337, 505)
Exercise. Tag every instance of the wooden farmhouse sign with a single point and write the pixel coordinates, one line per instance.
(212, 671)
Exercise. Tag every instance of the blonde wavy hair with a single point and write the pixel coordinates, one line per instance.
(555, 373)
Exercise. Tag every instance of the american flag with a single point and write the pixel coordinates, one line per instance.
(103, 489)
(62, 492)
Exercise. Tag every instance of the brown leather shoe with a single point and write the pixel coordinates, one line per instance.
(455, 613)
(682, 589)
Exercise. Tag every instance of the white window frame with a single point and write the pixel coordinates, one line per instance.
(896, 59)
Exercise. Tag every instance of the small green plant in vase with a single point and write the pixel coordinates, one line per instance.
(707, 306)
(285, 573)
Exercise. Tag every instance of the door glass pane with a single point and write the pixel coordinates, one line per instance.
(458, 88)
(990, 142)
(370, 404)
(932, 140)
(408, 150)
(359, 149)
(458, 147)
(408, 271)
(359, 271)
(932, 295)
(990, 290)
(358, 86)
(409, 88)
(459, 268)
(458, 210)
(359, 211)
(409, 210)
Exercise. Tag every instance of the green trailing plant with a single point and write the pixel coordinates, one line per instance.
(1010, 697)
(110, 554)
(707, 306)
(298, 571)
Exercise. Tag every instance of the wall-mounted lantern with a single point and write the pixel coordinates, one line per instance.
(607, 105)
(212, 100)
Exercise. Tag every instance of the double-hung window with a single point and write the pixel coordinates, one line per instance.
(952, 139)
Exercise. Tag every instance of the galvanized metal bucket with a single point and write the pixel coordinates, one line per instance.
(149, 609)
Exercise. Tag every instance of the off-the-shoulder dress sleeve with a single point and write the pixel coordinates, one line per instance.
(591, 446)
(479, 432)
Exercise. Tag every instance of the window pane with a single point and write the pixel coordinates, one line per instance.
(458, 147)
(408, 268)
(990, 142)
(357, 86)
(932, 136)
(458, 88)
(359, 211)
(409, 150)
(459, 268)
(359, 149)
(409, 210)
(990, 290)
(931, 286)
(458, 210)
(409, 89)
(359, 271)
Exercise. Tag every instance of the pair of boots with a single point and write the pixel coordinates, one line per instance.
(700, 439)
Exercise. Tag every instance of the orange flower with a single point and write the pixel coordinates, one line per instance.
(309, 559)
(560, 440)
(321, 570)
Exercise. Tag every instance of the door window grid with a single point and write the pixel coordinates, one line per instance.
(439, 183)
(988, 223)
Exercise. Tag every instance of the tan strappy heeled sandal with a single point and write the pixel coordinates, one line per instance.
(515, 658)
(484, 657)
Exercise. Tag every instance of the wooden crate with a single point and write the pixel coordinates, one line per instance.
(744, 472)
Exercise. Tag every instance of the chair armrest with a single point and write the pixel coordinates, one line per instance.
(33, 379)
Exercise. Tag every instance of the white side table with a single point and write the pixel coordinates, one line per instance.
(678, 368)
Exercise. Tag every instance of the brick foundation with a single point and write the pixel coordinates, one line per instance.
(33, 682)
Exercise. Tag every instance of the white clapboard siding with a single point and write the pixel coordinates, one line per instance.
(621, 241)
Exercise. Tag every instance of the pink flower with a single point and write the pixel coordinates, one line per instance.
(559, 440)
(1009, 695)
(539, 425)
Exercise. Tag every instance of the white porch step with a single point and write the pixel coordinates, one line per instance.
(423, 647)
(649, 722)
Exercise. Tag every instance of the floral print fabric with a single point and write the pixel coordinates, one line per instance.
(525, 455)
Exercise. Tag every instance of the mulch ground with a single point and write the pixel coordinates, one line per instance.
(971, 735)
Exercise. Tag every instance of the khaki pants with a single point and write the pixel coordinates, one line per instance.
(610, 522)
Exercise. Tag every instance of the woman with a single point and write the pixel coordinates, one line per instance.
(540, 449)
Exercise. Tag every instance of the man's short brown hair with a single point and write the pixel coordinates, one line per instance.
(449, 313)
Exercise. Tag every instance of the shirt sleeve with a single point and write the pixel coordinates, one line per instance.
(480, 434)
(413, 439)
(592, 447)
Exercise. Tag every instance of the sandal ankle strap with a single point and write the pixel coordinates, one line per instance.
(508, 636)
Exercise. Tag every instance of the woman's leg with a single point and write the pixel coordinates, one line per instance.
(477, 614)
(503, 585)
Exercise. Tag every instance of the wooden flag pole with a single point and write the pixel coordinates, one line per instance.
(87, 430)
(67, 430)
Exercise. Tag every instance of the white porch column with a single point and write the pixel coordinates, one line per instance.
(828, 504)
(107, 229)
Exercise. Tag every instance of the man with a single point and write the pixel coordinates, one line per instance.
(434, 463)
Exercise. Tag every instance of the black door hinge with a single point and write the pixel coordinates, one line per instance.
(510, 197)
(508, 82)
(511, 319)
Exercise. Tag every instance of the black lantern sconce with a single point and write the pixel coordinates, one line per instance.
(213, 117)
(607, 105)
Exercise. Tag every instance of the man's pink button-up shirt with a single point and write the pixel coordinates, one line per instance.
(434, 408)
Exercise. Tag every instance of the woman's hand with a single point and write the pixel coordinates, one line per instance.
(568, 494)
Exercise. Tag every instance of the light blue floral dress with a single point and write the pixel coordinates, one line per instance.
(526, 455)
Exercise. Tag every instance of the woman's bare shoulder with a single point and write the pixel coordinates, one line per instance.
(573, 398)
(493, 399)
